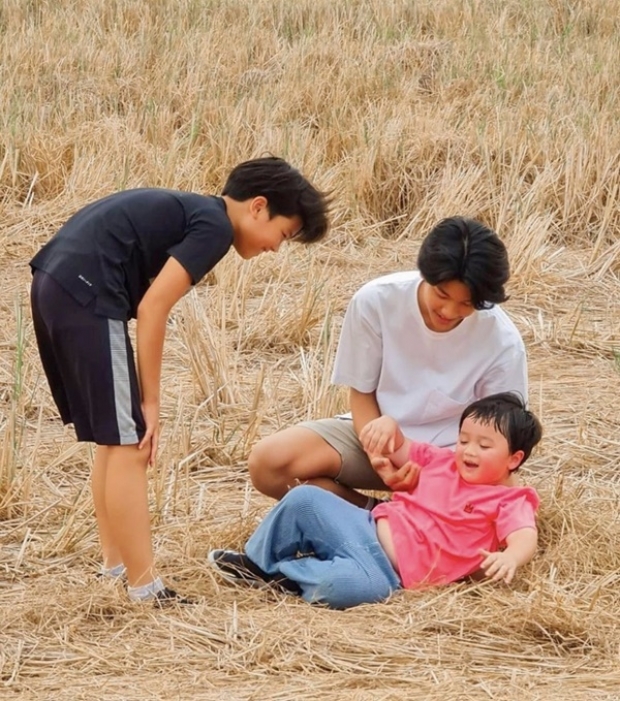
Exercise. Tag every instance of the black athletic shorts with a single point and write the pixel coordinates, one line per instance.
(89, 364)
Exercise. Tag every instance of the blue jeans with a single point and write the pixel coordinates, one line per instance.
(326, 545)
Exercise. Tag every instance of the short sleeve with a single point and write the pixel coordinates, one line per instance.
(508, 373)
(517, 510)
(360, 349)
(208, 237)
(424, 453)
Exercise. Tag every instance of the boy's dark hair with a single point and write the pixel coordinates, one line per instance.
(507, 413)
(468, 251)
(287, 192)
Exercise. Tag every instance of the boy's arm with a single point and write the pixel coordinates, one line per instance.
(520, 549)
(167, 288)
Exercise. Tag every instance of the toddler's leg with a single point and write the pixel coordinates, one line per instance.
(365, 577)
(337, 543)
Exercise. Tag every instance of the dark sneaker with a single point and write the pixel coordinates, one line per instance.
(238, 568)
(169, 597)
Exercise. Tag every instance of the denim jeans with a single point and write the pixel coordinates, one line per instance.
(326, 545)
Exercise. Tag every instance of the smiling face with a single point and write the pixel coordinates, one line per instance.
(258, 233)
(445, 305)
(482, 454)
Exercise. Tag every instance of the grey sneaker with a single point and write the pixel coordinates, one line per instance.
(238, 568)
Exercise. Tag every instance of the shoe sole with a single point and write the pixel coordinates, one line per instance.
(253, 580)
(229, 577)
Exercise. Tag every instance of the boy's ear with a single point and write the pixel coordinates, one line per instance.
(258, 204)
(515, 460)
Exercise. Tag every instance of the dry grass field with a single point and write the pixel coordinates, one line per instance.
(504, 110)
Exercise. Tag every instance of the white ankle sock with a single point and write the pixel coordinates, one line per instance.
(113, 572)
(146, 591)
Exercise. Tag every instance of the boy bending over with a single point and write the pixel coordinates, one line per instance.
(454, 522)
(134, 254)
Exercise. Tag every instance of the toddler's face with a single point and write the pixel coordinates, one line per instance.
(482, 454)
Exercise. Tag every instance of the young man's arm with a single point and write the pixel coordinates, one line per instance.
(520, 549)
(364, 408)
(167, 288)
(384, 443)
(398, 472)
(378, 434)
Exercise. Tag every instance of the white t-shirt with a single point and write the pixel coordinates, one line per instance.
(424, 379)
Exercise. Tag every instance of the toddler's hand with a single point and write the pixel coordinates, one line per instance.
(398, 479)
(499, 566)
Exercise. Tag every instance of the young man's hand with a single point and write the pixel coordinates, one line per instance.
(381, 436)
(398, 479)
(499, 566)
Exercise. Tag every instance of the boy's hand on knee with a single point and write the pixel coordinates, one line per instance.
(150, 411)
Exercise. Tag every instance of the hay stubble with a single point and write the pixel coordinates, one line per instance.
(410, 112)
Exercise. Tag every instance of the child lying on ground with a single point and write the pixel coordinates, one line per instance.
(451, 524)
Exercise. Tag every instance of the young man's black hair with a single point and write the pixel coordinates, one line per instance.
(287, 192)
(468, 251)
(507, 413)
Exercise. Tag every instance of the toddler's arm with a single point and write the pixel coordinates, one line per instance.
(396, 469)
(388, 450)
(520, 549)
(398, 479)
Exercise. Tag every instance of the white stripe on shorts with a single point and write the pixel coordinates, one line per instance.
(127, 432)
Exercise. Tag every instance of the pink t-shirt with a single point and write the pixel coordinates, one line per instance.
(440, 526)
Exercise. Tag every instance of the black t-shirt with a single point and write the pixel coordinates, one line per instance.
(111, 249)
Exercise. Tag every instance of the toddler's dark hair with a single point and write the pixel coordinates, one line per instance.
(507, 413)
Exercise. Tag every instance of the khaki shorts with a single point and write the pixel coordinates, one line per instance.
(356, 470)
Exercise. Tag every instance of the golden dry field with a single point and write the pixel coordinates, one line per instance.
(410, 111)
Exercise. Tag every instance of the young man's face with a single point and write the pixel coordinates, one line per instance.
(482, 454)
(258, 233)
(444, 306)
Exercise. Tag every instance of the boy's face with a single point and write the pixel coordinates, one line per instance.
(482, 454)
(444, 306)
(257, 233)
